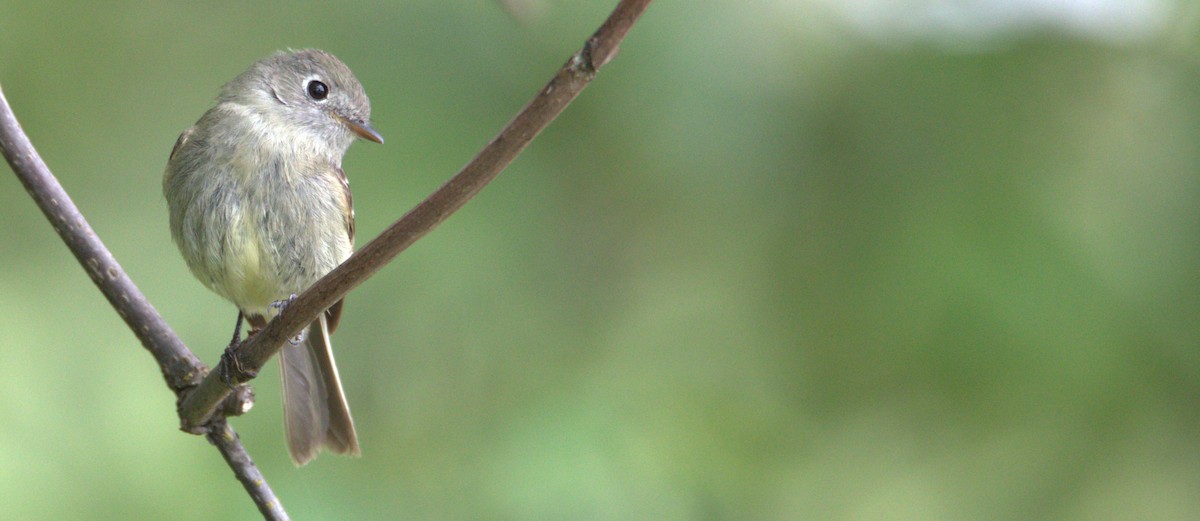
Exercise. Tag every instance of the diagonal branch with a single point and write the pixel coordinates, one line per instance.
(180, 368)
(222, 435)
(200, 404)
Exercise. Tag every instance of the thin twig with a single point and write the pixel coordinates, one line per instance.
(570, 80)
(180, 368)
(227, 441)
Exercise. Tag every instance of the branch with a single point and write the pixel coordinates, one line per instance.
(200, 404)
(180, 368)
(227, 441)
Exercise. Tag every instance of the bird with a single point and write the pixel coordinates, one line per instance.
(261, 209)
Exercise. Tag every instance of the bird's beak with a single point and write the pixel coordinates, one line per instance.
(360, 127)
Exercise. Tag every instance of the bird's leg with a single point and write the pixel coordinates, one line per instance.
(237, 330)
(282, 305)
(232, 363)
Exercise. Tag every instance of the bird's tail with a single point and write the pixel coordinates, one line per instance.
(315, 412)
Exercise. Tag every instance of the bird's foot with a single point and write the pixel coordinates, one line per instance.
(232, 368)
(281, 305)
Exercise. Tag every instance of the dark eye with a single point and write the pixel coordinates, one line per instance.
(317, 90)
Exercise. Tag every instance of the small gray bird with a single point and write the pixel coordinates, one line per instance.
(261, 209)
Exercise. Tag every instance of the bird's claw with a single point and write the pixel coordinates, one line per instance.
(281, 305)
(233, 366)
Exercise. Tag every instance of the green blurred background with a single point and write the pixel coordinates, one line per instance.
(807, 259)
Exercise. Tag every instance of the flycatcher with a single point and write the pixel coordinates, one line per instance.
(261, 209)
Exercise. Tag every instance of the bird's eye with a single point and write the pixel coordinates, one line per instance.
(317, 90)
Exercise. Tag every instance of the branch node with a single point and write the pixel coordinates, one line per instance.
(237, 403)
(581, 63)
(588, 53)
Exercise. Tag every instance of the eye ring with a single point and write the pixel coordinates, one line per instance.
(317, 90)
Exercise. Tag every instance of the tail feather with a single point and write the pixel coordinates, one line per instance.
(315, 411)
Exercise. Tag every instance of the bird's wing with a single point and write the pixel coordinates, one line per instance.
(334, 314)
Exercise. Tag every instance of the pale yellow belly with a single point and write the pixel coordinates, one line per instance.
(251, 277)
